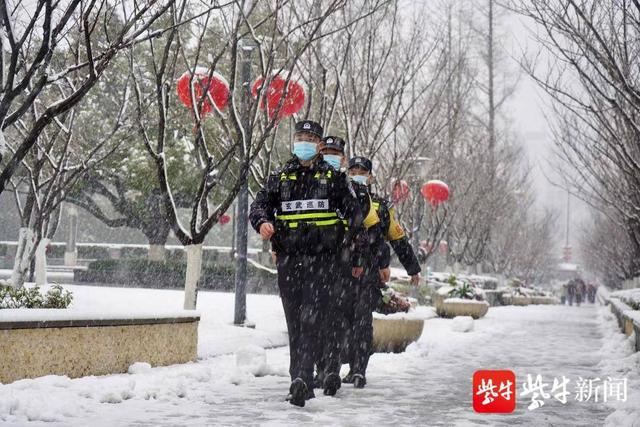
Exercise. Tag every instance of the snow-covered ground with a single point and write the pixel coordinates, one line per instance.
(429, 384)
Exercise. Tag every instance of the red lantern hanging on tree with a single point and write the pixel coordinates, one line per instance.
(435, 192)
(400, 191)
(217, 85)
(293, 98)
(224, 219)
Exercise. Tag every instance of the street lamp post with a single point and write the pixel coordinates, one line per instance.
(418, 176)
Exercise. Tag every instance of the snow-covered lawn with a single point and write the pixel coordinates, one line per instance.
(216, 333)
(429, 384)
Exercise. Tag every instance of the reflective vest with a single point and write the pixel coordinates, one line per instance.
(321, 214)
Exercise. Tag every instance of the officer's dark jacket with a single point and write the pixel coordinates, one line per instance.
(376, 252)
(394, 234)
(307, 206)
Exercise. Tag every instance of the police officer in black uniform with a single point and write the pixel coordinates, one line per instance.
(364, 298)
(328, 367)
(301, 210)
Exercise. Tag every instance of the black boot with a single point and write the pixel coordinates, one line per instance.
(359, 381)
(318, 380)
(298, 392)
(332, 384)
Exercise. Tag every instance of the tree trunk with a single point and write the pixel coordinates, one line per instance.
(194, 269)
(157, 253)
(157, 233)
(41, 262)
(26, 242)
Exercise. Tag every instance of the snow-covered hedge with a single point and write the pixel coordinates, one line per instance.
(631, 297)
(171, 274)
(32, 297)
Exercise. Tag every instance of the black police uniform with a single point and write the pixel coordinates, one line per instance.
(303, 203)
(366, 295)
(340, 311)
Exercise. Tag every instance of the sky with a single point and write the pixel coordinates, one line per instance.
(529, 108)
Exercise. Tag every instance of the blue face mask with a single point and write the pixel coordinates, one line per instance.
(360, 179)
(305, 150)
(334, 160)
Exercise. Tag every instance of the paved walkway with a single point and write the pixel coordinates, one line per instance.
(429, 384)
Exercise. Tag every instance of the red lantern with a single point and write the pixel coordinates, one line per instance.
(255, 87)
(400, 192)
(218, 89)
(292, 103)
(224, 219)
(435, 192)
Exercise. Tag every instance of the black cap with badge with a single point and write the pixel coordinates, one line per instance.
(334, 143)
(362, 162)
(309, 126)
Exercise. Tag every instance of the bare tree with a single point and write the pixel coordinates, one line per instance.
(47, 45)
(223, 147)
(592, 77)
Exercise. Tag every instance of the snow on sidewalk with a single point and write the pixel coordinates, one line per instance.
(429, 384)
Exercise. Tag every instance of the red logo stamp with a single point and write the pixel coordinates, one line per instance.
(494, 392)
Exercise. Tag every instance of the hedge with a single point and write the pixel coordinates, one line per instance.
(141, 272)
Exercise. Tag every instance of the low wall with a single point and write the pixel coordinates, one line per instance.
(76, 346)
(628, 319)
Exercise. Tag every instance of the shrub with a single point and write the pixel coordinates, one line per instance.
(165, 274)
(465, 292)
(452, 280)
(26, 297)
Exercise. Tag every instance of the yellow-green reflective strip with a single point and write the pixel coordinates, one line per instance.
(307, 216)
(317, 223)
(292, 177)
(376, 205)
(318, 175)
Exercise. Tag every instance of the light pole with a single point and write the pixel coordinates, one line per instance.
(242, 211)
(418, 175)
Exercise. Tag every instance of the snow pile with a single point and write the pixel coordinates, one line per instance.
(253, 359)
(620, 360)
(418, 313)
(462, 324)
(465, 301)
(139, 368)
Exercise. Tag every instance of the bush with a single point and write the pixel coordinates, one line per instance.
(93, 252)
(25, 297)
(168, 274)
(465, 292)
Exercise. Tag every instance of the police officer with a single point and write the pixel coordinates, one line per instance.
(366, 296)
(335, 327)
(298, 211)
